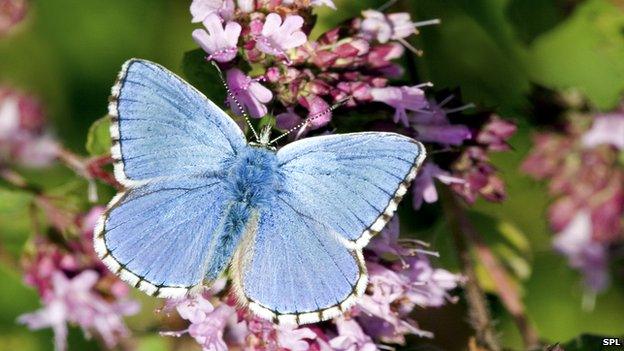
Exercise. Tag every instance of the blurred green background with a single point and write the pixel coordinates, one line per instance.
(68, 52)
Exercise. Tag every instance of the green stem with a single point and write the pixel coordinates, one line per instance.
(480, 317)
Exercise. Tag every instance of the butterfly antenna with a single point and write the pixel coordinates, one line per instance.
(311, 118)
(238, 104)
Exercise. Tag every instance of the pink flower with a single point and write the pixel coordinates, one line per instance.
(496, 132)
(434, 283)
(277, 37)
(207, 323)
(547, 155)
(387, 27)
(316, 3)
(245, 5)
(606, 129)
(251, 94)
(424, 188)
(74, 301)
(23, 138)
(319, 112)
(591, 257)
(294, 339)
(201, 9)
(328, 3)
(402, 99)
(380, 57)
(219, 42)
(479, 175)
(12, 12)
(88, 221)
(384, 315)
(351, 337)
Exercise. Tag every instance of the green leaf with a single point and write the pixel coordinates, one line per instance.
(532, 18)
(98, 137)
(15, 226)
(473, 48)
(585, 52)
(203, 75)
(153, 343)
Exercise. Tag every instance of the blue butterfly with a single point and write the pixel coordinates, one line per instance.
(290, 224)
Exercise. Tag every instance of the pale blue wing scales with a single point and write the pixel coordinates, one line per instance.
(172, 148)
(291, 269)
(160, 237)
(350, 182)
(163, 127)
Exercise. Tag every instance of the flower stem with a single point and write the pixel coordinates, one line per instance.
(465, 234)
(478, 309)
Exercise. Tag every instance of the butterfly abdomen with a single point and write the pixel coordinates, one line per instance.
(250, 186)
(253, 178)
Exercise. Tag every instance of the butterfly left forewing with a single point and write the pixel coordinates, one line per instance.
(163, 127)
(170, 143)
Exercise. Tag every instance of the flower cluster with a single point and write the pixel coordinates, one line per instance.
(298, 77)
(12, 12)
(399, 282)
(23, 137)
(75, 287)
(295, 78)
(466, 168)
(583, 166)
(273, 68)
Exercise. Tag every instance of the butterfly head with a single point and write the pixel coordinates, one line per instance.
(264, 138)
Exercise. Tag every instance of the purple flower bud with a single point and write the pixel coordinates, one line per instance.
(288, 120)
(424, 189)
(432, 125)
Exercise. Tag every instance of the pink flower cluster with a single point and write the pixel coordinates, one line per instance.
(23, 136)
(470, 173)
(398, 285)
(12, 12)
(76, 288)
(587, 183)
(296, 77)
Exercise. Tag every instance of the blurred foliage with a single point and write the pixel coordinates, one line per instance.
(69, 52)
(98, 137)
(204, 77)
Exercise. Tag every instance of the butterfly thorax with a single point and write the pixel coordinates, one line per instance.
(264, 139)
(253, 177)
